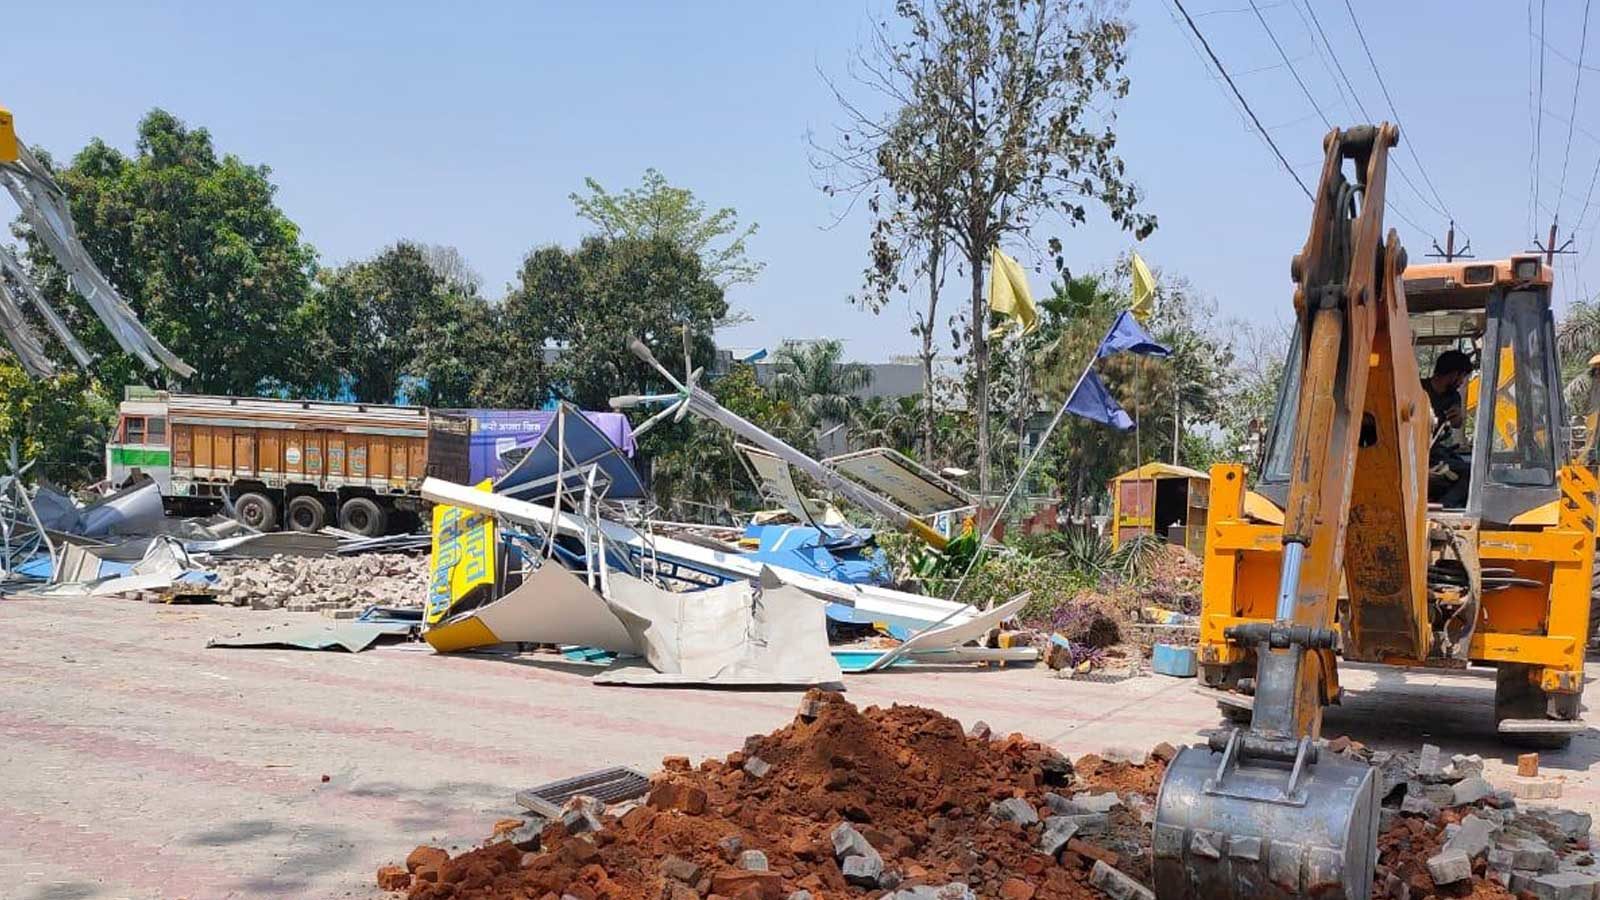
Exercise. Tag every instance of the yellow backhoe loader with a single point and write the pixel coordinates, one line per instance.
(1364, 567)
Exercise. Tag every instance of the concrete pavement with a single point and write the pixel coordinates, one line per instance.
(138, 763)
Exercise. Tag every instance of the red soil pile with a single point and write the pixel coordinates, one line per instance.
(909, 779)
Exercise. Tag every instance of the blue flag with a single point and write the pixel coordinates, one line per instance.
(1128, 336)
(1091, 400)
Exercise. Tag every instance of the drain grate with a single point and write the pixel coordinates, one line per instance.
(612, 785)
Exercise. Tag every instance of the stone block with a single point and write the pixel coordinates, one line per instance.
(1117, 885)
(1450, 867)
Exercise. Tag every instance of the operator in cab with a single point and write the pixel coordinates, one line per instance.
(1449, 460)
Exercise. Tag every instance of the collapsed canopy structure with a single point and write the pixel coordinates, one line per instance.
(44, 208)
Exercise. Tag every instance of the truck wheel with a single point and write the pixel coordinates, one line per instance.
(306, 513)
(256, 510)
(363, 516)
(1517, 698)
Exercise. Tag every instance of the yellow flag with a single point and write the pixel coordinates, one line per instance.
(1144, 291)
(1009, 295)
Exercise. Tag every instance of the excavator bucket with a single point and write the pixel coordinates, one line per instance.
(1263, 828)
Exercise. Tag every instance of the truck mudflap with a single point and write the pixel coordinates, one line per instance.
(1232, 827)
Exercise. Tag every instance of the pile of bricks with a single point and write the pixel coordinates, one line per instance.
(330, 583)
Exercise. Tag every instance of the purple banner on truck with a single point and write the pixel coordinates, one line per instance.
(501, 436)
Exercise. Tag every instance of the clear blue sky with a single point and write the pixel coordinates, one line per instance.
(469, 124)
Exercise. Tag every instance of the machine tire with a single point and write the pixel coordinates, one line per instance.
(1515, 698)
(256, 510)
(363, 516)
(306, 513)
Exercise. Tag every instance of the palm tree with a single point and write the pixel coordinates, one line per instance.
(812, 379)
(1578, 340)
(888, 422)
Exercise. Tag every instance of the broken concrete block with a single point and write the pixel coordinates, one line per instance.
(1563, 886)
(1471, 790)
(753, 861)
(1572, 823)
(1054, 838)
(1085, 823)
(679, 869)
(980, 730)
(730, 847)
(1530, 854)
(1472, 837)
(863, 871)
(801, 895)
(1542, 787)
(848, 842)
(1450, 867)
(757, 767)
(1418, 805)
(952, 891)
(1466, 766)
(582, 813)
(810, 707)
(1095, 803)
(1117, 885)
(1428, 762)
(1125, 755)
(1014, 809)
(1441, 794)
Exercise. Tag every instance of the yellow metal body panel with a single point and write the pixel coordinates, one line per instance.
(1544, 627)
(465, 634)
(9, 151)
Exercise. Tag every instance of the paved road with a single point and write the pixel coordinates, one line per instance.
(138, 763)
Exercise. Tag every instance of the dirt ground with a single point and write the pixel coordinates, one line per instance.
(138, 763)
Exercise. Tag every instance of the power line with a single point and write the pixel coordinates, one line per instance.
(1538, 125)
(1411, 145)
(1388, 203)
(1345, 77)
(1577, 83)
(1292, 71)
(1226, 77)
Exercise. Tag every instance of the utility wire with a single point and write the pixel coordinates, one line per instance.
(1310, 98)
(1253, 118)
(1411, 145)
(1345, 77)
(1538, 122)
(1577, 83)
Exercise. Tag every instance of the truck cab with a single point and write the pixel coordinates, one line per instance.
(140, 445)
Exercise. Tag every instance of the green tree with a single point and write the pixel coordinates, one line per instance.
(196, 244)
(392, 326)
(655, 210)
(895, 422)
(813, 378)
(570, 315)
(1007, 106)
(59, 422)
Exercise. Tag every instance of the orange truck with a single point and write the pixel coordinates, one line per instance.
(299, 464)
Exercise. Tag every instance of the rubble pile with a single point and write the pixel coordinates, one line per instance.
(311, 584)
(1445, 831)
(897, 802)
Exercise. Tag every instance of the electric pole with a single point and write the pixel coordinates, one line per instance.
(1450, 253)
(1550, 249)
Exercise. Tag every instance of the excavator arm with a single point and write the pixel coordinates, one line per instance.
(1263, 810)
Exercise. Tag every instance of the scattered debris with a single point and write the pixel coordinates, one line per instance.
(301, 584)
(875, 802)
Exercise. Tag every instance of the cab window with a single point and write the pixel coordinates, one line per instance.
(156, 430)
(133, 430)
